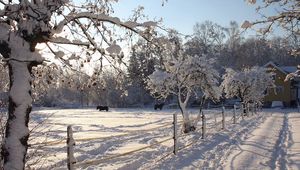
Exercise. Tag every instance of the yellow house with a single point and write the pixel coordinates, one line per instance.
(286, 93)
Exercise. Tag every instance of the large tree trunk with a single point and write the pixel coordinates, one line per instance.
(15, 144)
(187, 124)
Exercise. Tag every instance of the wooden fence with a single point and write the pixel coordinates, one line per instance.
(205, 127)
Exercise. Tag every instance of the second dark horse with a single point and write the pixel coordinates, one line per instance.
(158, 106)
(102, 108)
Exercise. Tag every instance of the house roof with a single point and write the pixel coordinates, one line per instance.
(289, 69)
(275, 66)
(283, 69)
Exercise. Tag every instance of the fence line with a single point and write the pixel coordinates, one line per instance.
(205, 124)
(50, 143)
(121, 135)
(92, 162)
(61, 141)
(84, 139)
(175, 137)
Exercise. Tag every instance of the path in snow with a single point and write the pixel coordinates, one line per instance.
(274, 144)
(256, 152)
(293, 149)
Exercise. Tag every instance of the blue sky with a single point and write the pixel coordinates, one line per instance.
(183, 14)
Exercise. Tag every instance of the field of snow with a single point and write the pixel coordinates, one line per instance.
(109, 140)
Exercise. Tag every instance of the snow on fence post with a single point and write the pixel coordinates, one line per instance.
(223, 117)
(175, 133)
(70, 148)
(234, 114)
(203, 126)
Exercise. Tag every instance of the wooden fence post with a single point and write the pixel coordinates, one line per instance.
(203, 126)
(175, 133)
(223, 117)
(70, 148)
(248, 110)
(234, 114)
(251, 108)
(215, 118)
(243, 110)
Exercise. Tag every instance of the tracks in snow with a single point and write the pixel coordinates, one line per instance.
(265, 147)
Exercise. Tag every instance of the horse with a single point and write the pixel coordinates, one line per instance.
(102, 108)
(158, 106)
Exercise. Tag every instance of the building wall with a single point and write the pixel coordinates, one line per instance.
(283, 89)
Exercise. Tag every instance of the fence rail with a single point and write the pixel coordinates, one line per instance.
(93, 162)
(207, 123)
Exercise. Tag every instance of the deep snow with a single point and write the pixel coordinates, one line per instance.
(268, 140)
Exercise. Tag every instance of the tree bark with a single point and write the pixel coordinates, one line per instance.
(187, 124)
(15, 145)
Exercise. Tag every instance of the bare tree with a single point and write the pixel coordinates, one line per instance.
(286, 17)
(207, 38)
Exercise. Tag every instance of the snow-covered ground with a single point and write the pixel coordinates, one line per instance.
(104, 140)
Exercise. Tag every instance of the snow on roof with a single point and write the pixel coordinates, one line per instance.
(289, 69)
(284, 69)
(275, 66)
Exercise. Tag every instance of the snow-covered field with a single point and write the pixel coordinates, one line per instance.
(105, 140)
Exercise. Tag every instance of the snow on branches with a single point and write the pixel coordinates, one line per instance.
(249, 84)
(55, 26)
(185, 74)
(88, 25)
(182, 76)
(294, 75)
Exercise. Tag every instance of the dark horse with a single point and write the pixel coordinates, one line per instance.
(102, 108)
(158, 106)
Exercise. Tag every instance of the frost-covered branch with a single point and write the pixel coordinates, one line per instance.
(26, 24)
(95, 45)
(181, 76)
(287, 18)
(20, 60)
(104, 18)
(293, 76)
(61, 40)
(2, 2)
